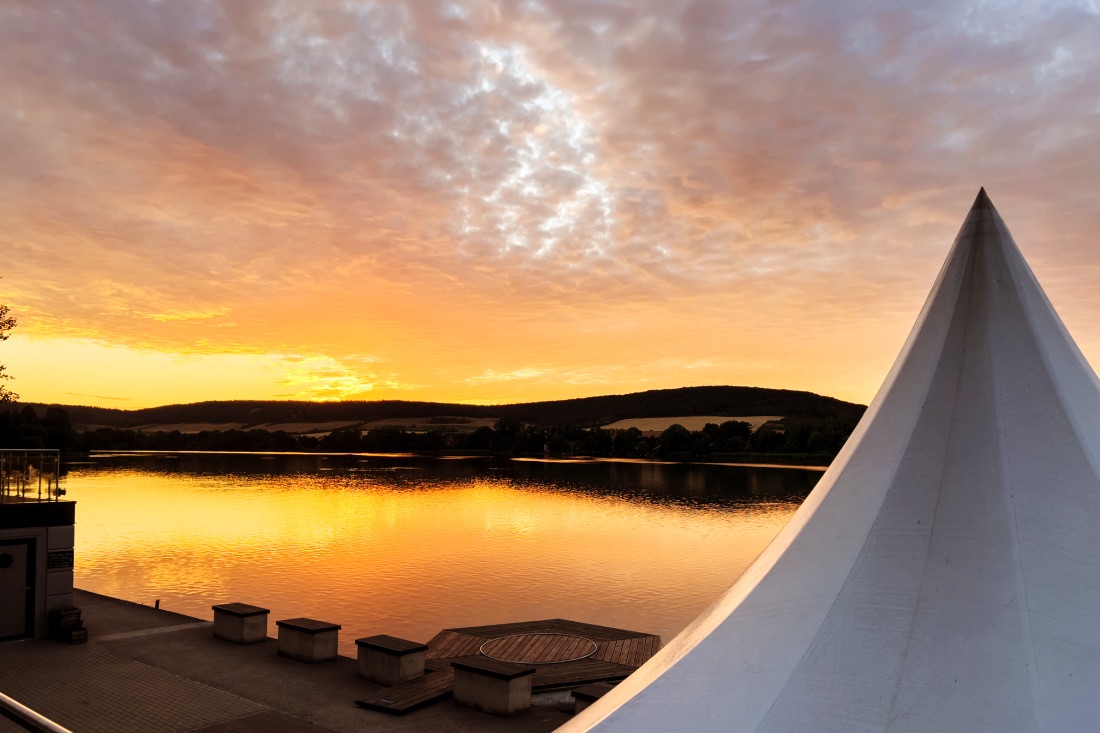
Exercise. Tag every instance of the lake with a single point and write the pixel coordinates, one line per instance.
(408, 545)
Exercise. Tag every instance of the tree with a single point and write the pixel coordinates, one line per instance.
(766, 439)
(504, 434)
(341, 440)
(732, 436)
(59, 429)
(7, 323)
(675, 439)
(482, 438)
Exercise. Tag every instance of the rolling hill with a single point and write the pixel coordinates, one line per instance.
(586, 411)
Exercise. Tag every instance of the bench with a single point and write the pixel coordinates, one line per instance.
(240, 623)
(499, 688)
(307, 639)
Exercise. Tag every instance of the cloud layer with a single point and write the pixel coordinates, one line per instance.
(508, 200)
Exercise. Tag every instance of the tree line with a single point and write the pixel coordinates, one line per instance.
(23, 427)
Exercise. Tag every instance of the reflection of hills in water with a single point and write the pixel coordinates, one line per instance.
(697, 482)
(694, 483)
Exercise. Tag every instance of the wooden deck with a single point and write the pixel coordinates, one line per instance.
(545, 648)
(436, 684)
(554, 647)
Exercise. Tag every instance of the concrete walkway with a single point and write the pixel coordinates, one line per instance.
(154, 671)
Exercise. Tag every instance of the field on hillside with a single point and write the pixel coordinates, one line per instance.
(691, 422)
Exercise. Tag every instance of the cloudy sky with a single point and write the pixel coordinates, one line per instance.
(505, 201)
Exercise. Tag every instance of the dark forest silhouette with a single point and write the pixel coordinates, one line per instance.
(790, 439)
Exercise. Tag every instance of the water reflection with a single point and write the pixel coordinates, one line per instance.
(700, 483)
(406, 546)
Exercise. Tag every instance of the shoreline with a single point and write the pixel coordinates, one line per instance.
(796, 461)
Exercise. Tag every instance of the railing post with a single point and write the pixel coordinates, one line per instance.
(15, 478)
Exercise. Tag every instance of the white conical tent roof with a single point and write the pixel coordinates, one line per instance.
(945, 573)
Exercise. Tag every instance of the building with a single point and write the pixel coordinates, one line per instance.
(36, 542)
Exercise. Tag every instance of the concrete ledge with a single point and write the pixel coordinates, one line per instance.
(240, 623)
(389, 660)
(498, 688)
(21, 515)
(307, 639)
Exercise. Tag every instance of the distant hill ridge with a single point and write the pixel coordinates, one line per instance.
(589, 411)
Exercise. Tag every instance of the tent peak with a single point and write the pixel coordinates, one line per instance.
(944, 572)
(982, 202)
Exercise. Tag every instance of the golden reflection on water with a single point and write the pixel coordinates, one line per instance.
(412, 557)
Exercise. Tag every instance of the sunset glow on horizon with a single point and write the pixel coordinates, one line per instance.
(494, 202)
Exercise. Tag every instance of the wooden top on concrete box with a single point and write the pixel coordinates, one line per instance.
(240, 623)
(391, 644)
(308, 625)
(240, 609)
(492, 668)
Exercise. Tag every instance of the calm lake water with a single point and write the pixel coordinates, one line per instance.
(407, 545)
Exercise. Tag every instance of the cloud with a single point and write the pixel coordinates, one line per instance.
(99, 397)
(324, 378)
(491, 376)
(433, 182)
(205, 315)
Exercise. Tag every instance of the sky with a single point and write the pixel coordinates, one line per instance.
(493, 202)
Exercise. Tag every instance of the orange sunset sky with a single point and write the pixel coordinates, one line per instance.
(512, 201)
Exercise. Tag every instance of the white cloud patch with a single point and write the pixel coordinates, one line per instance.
(323, 378)
(491, 376)
(203, 315)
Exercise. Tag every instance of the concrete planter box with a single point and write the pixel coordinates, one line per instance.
(499, 688)
(240, 623)
(388, 660)
(307, 639)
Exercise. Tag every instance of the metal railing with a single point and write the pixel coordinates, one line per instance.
(31, 474)
(26, 718)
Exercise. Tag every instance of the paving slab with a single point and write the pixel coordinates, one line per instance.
(145, 669)
(89, 688)
(266, 722)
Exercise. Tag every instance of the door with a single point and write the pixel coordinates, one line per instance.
(16, 588)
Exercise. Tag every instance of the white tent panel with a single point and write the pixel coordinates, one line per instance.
(944, 575)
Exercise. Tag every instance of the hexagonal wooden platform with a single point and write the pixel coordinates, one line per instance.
(565, 654)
